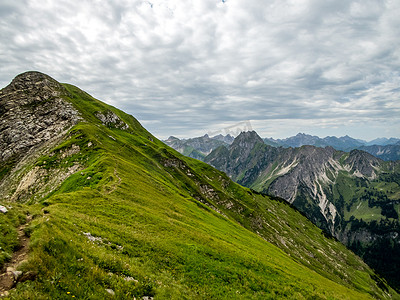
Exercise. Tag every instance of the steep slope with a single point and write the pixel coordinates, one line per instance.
(343, 193)
(134, 218)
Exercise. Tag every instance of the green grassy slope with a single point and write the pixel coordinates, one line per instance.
(142, 220)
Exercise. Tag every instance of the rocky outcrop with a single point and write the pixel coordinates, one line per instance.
(32, 111)
(35, 116)
(110, 119)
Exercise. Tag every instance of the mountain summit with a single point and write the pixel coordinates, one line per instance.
(115, 213)
(33, 111)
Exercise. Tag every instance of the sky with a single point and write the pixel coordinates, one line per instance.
(186, 68)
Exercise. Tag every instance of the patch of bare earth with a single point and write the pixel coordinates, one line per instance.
(9, 275)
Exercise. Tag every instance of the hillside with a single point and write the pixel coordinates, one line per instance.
(354, 196)
(118, 214)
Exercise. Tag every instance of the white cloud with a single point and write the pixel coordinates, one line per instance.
(187, 67)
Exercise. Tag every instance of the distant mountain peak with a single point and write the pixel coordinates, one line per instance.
(303, 134)
(248, 136)
(172, 138)
(244, 143)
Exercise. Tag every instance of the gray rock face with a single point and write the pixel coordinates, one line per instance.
(112, 120)
(32, 111)
(363, 163)
(34, 116)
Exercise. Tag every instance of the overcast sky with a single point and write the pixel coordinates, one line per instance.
(187, 68)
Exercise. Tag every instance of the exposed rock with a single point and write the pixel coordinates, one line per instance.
(34, 116)
(110, 119)
(32, 111)
(111, 292)
(128, 278)
(92, 238)
(208, 192)
(25, 276)
(17, 274)
(363, 163)
(71, 151)
(175, 163)
(3, 209)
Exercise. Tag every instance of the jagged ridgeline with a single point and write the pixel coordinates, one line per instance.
(118, 214)
(352, 195)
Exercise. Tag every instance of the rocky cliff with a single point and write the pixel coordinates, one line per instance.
(32, 112)
(34, 115)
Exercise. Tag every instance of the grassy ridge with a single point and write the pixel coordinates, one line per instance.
(141, 220)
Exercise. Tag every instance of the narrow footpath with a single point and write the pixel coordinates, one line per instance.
(9, 275)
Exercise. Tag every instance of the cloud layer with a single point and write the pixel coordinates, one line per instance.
(190, 67)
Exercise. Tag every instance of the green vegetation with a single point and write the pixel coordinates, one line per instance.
(9, 223)
(139, 219)
(370, 210)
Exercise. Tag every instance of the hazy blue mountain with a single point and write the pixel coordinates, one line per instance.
(383, 142)
(344, 143)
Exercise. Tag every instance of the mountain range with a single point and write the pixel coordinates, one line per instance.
(384, 148)
(352, 195)
(198, 147)
(98, 208)
(344, 143)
